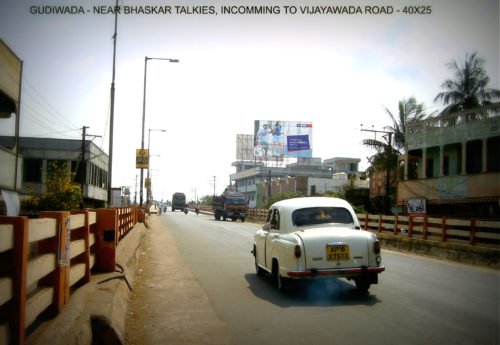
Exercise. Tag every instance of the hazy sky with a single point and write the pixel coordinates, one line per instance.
(336, 70)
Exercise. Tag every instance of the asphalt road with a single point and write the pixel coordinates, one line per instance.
(417, 301)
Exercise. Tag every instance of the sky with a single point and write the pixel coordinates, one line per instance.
(338, 71)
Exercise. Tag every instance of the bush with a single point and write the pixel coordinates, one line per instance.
(61, 194)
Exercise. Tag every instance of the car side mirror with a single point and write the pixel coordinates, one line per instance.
(266, 227)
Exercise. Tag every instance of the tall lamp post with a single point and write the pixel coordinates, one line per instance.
(141, 186)
(149, 160)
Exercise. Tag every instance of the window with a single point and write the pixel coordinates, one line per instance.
(493, 152)
(473, 160)
(321, 215)
(273, 218)
(32, 170)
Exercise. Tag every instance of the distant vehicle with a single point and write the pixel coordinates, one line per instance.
(178, 201)
(231, 205)
(316, 238)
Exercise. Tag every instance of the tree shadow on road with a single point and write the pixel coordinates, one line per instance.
(320, 293)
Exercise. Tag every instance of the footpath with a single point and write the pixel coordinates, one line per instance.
(152, 298)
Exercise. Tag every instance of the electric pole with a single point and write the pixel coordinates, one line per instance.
(388, 168)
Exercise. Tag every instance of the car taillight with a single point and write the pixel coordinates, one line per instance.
(297, 251)
(376, 247)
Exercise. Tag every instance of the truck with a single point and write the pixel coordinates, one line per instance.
(231, 205)
(178, 201)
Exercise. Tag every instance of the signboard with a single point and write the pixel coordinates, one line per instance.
(417, 206)
(142, 159)
(273, 139)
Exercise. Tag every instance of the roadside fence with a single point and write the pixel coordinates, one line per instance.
(44, 260)
(475, 232)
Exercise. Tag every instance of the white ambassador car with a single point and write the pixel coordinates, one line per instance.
(314, 238)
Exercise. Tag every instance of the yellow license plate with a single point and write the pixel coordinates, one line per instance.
(337, 252)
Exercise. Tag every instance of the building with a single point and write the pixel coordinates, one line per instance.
(11, 68)
(38, 154)
(308, 176)
(453, 164)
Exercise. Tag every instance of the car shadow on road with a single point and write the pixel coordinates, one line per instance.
(319, 293)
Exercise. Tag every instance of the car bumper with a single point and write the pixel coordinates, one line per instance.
(342, 272)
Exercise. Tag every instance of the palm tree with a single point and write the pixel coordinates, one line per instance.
(387, 152)
(386, 156)
(468, 89)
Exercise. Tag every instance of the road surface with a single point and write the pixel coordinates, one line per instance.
(417, 301)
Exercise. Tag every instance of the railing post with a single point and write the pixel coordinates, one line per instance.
(395, 224)
(60, 246)
(106, 239)
(425, 227)
(473, 229)
(410, 226)
(443, 229)
(17, 269)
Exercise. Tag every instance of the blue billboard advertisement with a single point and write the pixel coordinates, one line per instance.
(274, 139)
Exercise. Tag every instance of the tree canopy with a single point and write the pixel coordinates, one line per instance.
(468, 87)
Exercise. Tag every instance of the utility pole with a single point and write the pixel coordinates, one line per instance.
(388, 170)
(83, 169)
(112, 111)
(214, 186)
(268, 185)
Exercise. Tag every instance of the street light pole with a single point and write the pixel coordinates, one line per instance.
(141, 183)
(149, 160)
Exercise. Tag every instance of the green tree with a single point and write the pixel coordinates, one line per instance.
(283, 196)
(393, 143)
(468, 88)
(61, 194)
(386, 156)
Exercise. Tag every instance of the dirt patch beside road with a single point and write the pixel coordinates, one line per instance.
(168, 305)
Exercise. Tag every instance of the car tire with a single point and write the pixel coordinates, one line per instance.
(259, 270)
(278, 281)
(362, 284)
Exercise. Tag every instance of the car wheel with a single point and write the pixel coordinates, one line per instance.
(258, 269)
(363, 284)
(243, 220)
(278, 281)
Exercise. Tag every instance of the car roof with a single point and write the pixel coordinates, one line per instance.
(311, 202)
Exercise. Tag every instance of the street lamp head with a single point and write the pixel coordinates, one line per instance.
(167, 59)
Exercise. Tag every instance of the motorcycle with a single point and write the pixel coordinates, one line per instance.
(197, 210)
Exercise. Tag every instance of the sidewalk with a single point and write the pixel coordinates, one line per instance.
(167, 304)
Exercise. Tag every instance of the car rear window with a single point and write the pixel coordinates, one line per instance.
(321, 215)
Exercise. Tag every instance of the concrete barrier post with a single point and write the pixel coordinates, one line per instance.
(16, 267)
(106, 239)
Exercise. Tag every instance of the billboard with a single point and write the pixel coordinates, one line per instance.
(274, 139)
